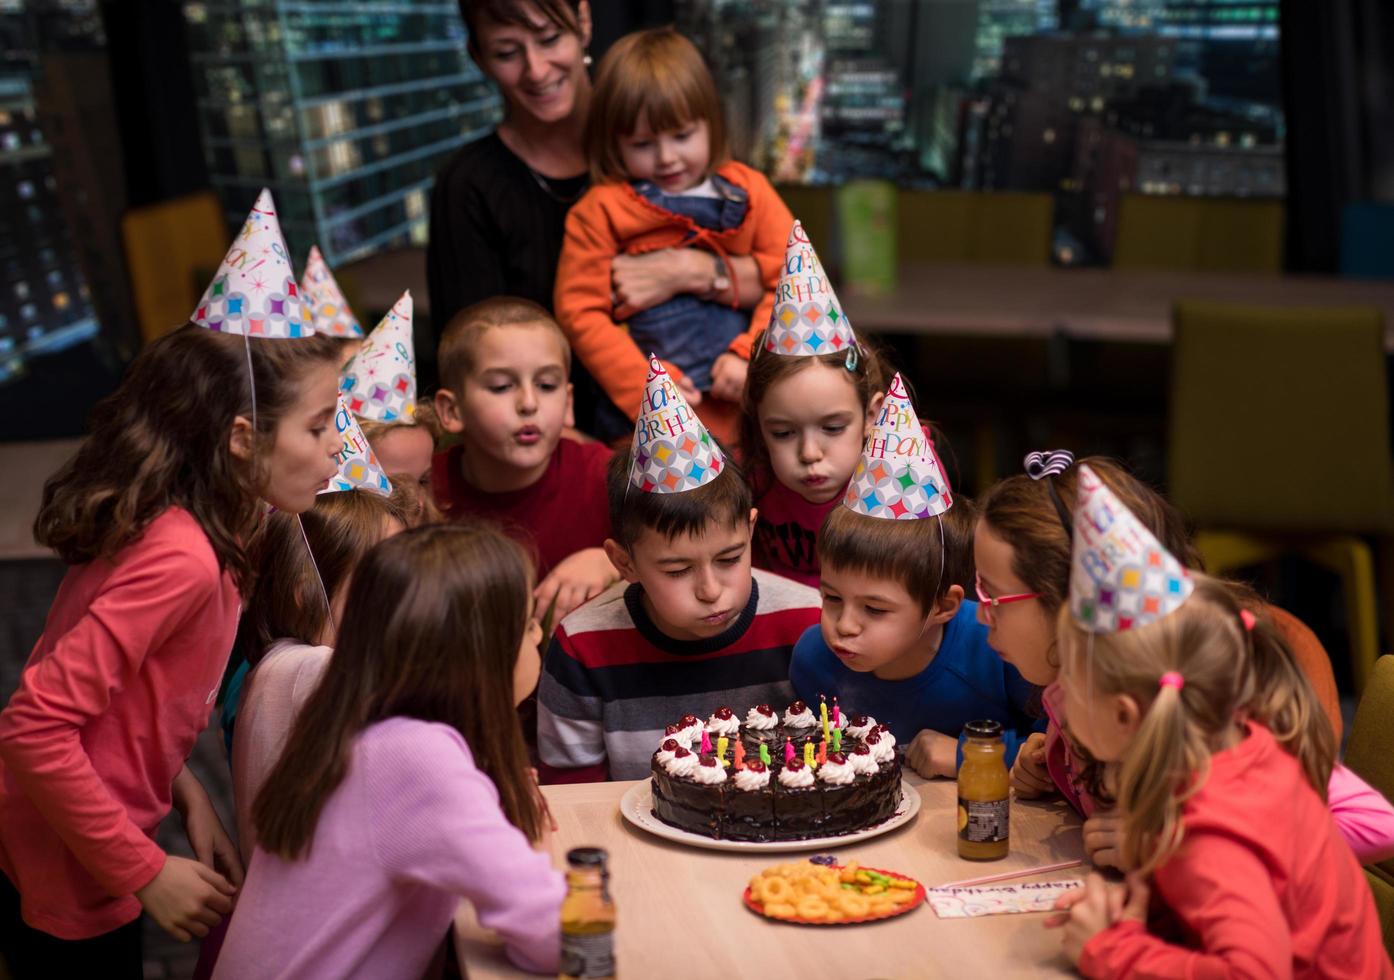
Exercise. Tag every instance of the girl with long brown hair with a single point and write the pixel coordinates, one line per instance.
(405, 784)
(153, 514)
(1021, 548)
(1230, 831)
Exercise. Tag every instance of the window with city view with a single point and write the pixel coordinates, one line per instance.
(1087, 100)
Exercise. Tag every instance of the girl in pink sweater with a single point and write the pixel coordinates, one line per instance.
(405, 786)
(151, 515)
(1235, 865)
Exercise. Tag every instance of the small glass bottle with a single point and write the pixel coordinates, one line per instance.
(984, 797)
(587, 916)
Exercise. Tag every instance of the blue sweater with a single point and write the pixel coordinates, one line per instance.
(966, 681)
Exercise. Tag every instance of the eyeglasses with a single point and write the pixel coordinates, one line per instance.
(990, 604)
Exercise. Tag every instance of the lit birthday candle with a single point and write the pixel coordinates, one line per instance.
(721, 749)
(706, 743)
(823, 715)
(788, 751)
(837, 736)
(739, 762)
(808, 757)
(822, 752)
(837, 715)
(765, 754)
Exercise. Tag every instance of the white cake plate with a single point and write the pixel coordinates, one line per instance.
(636, 806)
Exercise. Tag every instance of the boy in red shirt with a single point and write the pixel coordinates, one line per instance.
(503, 368)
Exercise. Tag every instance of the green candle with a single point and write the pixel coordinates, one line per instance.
(837, 740)
(765, 754)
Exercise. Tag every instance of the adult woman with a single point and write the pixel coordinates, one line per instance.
(499, 206)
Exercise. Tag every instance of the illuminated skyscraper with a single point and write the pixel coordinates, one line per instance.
(345, 110)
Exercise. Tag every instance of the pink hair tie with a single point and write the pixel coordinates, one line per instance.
(1172, 679)
(1247, 618)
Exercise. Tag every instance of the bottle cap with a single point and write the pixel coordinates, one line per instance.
(983, 729)
(587, 857)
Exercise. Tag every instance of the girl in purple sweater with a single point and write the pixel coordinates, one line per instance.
(405, 786)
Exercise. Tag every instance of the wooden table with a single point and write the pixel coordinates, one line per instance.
(681, 916)
(1130, 306)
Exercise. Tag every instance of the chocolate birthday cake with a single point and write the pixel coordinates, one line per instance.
(773, 777)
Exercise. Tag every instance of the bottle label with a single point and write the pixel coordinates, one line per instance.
(591, 955)
(983, 823)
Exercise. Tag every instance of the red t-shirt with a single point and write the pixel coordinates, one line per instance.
(786, 533)
(564, 512)
(108, 708)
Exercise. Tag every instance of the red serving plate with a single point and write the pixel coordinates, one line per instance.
(901, 909)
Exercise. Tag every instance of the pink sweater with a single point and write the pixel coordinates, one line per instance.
(1363, 816)
(1262, 885)
(413, 828)
(108, 707)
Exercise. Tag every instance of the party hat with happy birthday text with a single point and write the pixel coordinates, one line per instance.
(899, 476)
(359, 468)
(1121, 576)
(254, 292)
(380, 381)
(328, 308)
(807, 317)
(672, 450)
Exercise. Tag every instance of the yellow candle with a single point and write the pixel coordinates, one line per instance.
(721, 750)
(808, 755)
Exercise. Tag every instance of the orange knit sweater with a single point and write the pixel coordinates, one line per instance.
(613, 219)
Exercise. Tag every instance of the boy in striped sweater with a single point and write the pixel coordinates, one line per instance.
(689, 629)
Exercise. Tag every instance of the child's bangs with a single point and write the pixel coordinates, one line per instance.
(666, 100)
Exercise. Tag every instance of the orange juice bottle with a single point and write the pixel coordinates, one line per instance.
(984, 798)
(587, 916)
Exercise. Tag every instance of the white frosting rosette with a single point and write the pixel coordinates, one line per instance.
(800, 778)
(665, 755)
(881, 748)
(682, 763)
(802, 719)
(709, 772)
(723, 726)
(836, 773)
(687, 735)
(886, 735)
(863, 762)
(860, 731)
(759, 722)
(749, 780)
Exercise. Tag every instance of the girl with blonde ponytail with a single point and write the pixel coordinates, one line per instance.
(1230, 831)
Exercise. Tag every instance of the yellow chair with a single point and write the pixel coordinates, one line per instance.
(999, 228)
(1279, 443)
(167, 246)
(1199, 234)
(1368, 755)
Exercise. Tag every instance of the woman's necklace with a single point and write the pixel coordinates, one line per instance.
(550, 191)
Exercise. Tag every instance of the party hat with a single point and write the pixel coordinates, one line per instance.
(380, 381)
(359, 468)
(807, 317)
(1121, 577)
(899, 476)
(254, 291)
(328, 307)
(672, 450)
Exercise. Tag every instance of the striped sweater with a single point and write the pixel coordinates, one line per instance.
(612, 681)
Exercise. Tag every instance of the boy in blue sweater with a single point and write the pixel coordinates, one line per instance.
(897, 640)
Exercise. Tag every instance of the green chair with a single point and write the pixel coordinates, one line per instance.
(1199, 234)
(1279, 443)
(999, 228)
(1368, 755)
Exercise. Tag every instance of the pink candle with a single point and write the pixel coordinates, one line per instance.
(837, 713)
(706, 743)
(788, 751)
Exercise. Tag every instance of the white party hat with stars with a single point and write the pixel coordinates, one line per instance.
(807, 318)
(328, 308)
(1121, 576)
(672, 450)
(254, 292)
(380, 381)
(899, 476)
(359, 468)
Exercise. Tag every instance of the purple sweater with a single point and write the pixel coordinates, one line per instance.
(413, 828)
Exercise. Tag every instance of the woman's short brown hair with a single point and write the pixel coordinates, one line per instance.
(561, 14)
(658, 75)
